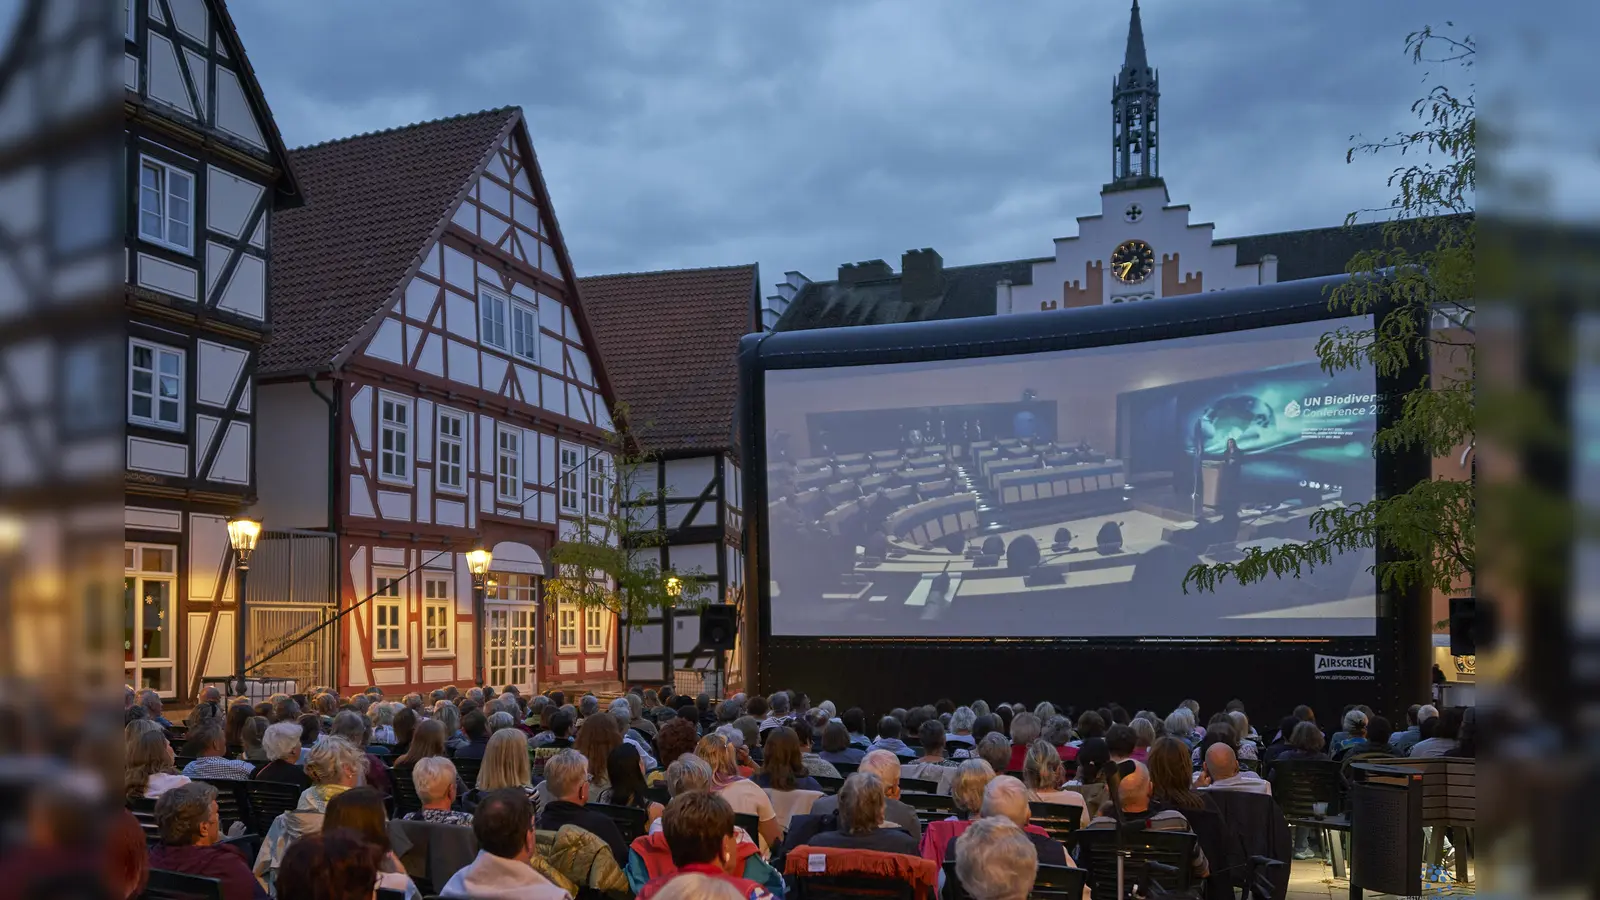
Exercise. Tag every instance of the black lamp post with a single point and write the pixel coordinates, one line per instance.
(478, 562)
(242, 534)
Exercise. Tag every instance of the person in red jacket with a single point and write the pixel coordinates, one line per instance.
(190, 831)
(700, 837)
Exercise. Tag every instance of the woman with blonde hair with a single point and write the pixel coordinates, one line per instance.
(966, 789)
(334, 766)
(505, 763)
(743, 795)
(150, 772)
(382, 716)
(450, 715)
(1043, 775)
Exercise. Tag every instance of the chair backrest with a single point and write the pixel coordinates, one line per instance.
(751, 824)
(657, 793)
(929, 807)
(1251, 765)
(468, 770)
(390, 894)
(165, 885)
(1065, 882)
(846, 769)
(1060, 819)
(1299, 783)
(144, 810)
(179, 762)
(849, 887)
(921, 785)
(830, 785)
(233, 802)
(631, 821)
(1097, 853)
(405, 790)
(268, 800)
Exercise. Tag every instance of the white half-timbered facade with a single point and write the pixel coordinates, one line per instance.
(670, 341)
(434, 390)
(205, 172)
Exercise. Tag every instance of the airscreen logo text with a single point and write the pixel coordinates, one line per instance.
(1346, 668)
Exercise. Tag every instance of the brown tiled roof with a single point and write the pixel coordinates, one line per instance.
(374, 203)
(669, 341)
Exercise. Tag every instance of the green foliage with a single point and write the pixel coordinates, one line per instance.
(1426, 264)
(611, 561)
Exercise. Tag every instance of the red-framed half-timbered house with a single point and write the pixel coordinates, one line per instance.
(430, 387)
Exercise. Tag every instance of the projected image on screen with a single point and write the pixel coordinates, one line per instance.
(1065, 494)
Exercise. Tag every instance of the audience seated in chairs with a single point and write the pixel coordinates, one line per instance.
(743, 795)
(338, 865)
(360, 810)
(435, 780)
(1006, 798)
(807, 728)
(837, 746)
(932, 765)
(996, 860)
(966, 791)
(505, 764)
(335, 766)
(149, 769)
(627, 787)
(1222, 773)
(700, 836)
(191, 835)
(1135, 791)
(1043, 778)
(357, 729)
(825, 812)
(889, 730)
(503, 825)
(995, 750)
(475, 725)
(649, 857)
(210, 749)
(255, 728)
(862, 825)
(566, 778)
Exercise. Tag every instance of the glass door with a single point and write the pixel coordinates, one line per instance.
(149, 619)
(509, 631)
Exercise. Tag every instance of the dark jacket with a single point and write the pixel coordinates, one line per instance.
(884, 840)
(1256, 822)
(220, 861)
(283, 773)
(473, 749)
(565, 812)
(1218, 843)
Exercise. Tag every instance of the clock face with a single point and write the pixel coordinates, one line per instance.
(1132, 261)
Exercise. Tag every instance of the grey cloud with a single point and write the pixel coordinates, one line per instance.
(805, 134)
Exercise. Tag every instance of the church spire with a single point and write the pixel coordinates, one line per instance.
(1133, 113)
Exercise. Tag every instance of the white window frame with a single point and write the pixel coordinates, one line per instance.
(524, 328)
(449, 445)
(508, 464)
(167, 171)
(135, 569)
(566, 628)
(501, 306)
(438, 615)
(130, 9)
(596, 480)
(404, 433)
(154, 420)
(568, 485)
(389, 597)
(594, 630)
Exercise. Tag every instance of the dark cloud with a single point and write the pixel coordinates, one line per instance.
(805, 134)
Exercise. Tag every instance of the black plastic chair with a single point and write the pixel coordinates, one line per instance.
(1155, 857)
(144, 810)
(1060, 819)
(467, 770)
(830, 785)
(390, 894)
(165, 885)
(268, 800)
(1299, 785)
(848, 887)
(657, 793)
(846, 769)
(1062, 882)
(405, 790)
(751, 825)
(920, 785)
(630, 820)
(233, 802)
(929, 807)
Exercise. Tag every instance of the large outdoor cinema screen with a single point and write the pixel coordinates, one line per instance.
(1064, 494)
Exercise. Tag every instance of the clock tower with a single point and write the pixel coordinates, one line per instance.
(1140, 246)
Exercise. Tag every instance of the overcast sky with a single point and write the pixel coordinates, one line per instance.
(805, 133)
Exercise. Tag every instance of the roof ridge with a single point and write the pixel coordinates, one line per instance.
(685, 271)
(499, 110)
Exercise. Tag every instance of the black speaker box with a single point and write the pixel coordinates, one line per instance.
(719, 622)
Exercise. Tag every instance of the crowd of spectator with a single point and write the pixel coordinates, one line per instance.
(726, 791)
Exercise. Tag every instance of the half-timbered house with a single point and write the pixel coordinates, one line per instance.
(430, 388)
(670, 341)
(206, 171)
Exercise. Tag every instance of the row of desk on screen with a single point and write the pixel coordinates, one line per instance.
(1034, 483)
(928, 521)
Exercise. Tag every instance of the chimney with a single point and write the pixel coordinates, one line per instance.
(1269, 269)
(871, 270)
(921, 275)
(1002, 297)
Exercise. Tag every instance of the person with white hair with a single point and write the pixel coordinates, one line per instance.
(1415, 716)
(500, 721)
(1355, 731)
(281, 744)
(151, 701)
(1180, 724)
(622, 710)
(996, 861)
(960, 739)
(335, 766)
(886, 766)
(1006, 797)
(435, 780)
(862, 825)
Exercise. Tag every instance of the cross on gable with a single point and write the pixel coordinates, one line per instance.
(1133, 213)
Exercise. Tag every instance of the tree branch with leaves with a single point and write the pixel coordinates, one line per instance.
(1424, 267)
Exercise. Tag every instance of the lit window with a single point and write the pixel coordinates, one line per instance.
(567, 628)
(394, 439)
(436, 608)
(493, 313)
(508, 484)
(166, 205)
(452, 451)
(570, 463)
(594, 629)
(386, 614)
(155, 385)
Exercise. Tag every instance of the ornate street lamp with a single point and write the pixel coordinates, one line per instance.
(243, 532)
(478, 560)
